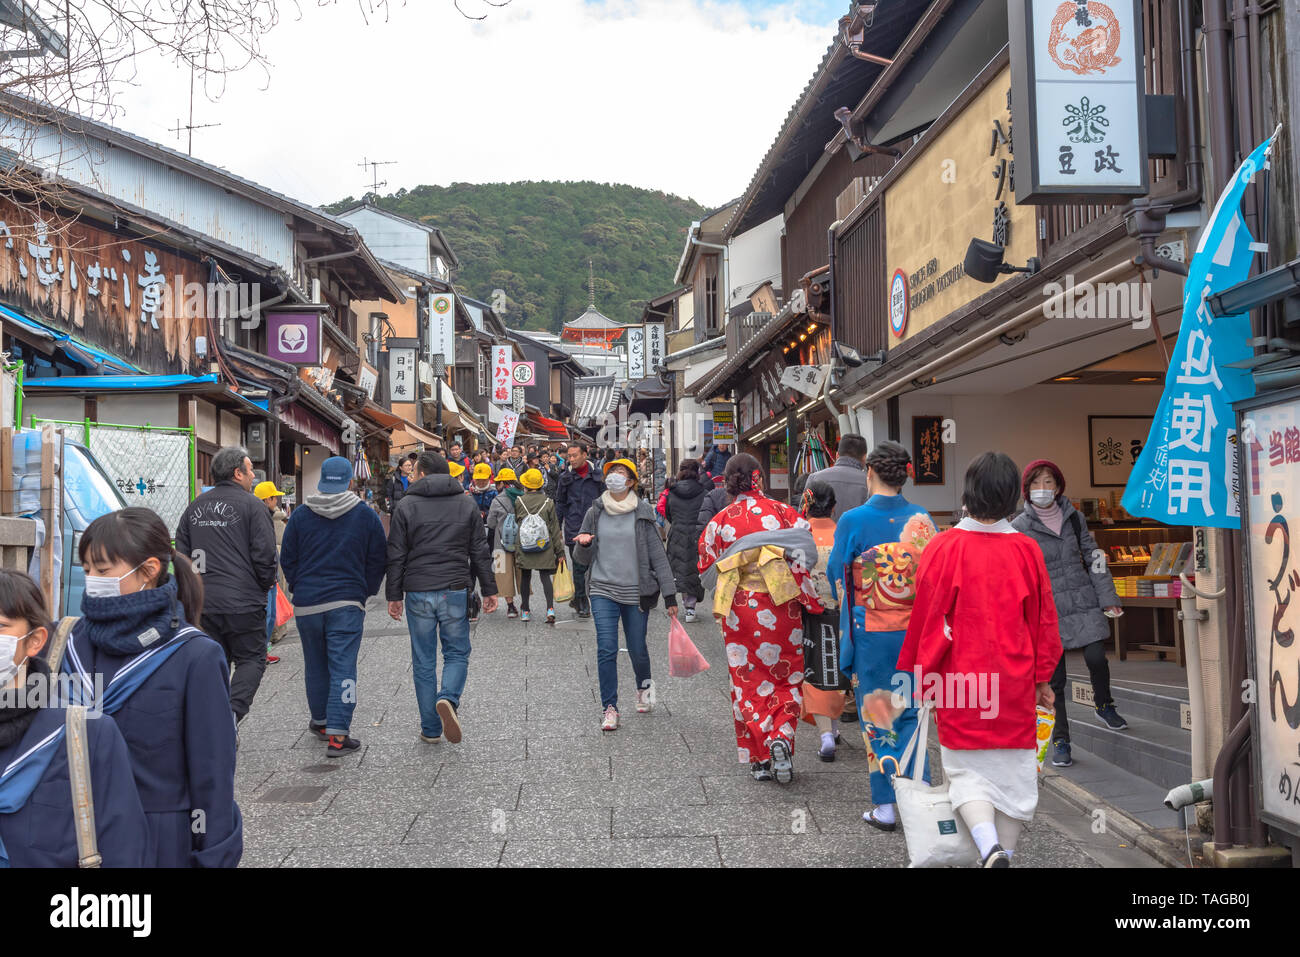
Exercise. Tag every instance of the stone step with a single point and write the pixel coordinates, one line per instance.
(1159, 703)
(1150, 749)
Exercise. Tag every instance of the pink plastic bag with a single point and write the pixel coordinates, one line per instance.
(684, 659)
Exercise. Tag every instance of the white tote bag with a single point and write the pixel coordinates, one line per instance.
(936, 835)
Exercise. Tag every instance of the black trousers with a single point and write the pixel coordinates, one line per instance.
(579, 580)
(1094, 656)
(526, 586)
(242, 636)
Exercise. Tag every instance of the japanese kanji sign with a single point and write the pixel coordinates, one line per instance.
(502, 357)
(506, 430)
(1187, 473)
(1078, 99)
(635, 353)
(807, 379)
(442, 326)
(401, 374)
(524, 373)
(655, 346)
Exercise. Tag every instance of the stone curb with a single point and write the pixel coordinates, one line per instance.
(1140, 835)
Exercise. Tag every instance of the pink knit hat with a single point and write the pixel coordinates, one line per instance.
(1033, 467)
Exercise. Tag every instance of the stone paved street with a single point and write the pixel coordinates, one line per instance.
(536, 783)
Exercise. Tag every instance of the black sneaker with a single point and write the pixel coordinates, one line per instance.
(1110, 717)
(341, 744)
(1061, 754)
(782, 766)
(998, 857)
(761, 770)
(319, 731)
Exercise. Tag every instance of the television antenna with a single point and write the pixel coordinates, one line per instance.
(190, 127)
(374, 165)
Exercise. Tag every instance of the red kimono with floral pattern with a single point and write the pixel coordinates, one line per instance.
(764, 639)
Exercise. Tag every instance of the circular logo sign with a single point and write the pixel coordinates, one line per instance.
(523, 373)
(441, 305)
(898, 305)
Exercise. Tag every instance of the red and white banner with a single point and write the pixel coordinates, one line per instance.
(501, 369)
(506, 430)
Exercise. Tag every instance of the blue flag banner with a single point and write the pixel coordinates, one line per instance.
(1187, 473)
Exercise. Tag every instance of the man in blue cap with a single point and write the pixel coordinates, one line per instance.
(333, 558)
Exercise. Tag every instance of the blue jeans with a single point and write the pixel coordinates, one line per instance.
(430, 615)
(270, 613)
(330, 642)
(606, 612)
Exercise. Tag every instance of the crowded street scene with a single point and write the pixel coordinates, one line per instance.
(507, 496)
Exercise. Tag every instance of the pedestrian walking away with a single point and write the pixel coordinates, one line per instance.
(270, 496)
(437, 549)
(165, 683)
(628, 573)
(848, 476)
(1084, 592)
(681, 500)
(760, 548)
(984, 606)
(714, 502)
(334, 557)
(38, 820)
(824, 685)
(578, 489)
(874, 561)
(540, 543)
(229, 536)
(503, 533)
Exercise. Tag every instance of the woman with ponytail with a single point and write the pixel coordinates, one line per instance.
(136, 656)
(764, 552)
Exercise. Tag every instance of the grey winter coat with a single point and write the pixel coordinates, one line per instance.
(848, 477)
(1080, 594)
(713, 503)
(654, 574)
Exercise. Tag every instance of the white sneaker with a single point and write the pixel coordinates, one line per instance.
(645, 701)
(610, 722)
(690, 615)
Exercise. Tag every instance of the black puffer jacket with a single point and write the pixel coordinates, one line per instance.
(712, 504)
(683, 507)
(437, 541)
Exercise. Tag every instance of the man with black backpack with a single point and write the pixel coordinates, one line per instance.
(437, 549)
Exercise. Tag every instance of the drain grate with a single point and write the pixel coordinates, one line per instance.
(296, 795)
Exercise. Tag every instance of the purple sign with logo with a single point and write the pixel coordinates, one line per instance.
(294, 337)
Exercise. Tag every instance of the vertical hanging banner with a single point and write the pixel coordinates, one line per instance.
(442, 326)
(656, 346)
(1188, 472)
(1078, 94)
(506, 430)
(402, 381)
(501, 370)
(635, 353)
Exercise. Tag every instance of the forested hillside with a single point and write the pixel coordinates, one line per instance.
(534, 240)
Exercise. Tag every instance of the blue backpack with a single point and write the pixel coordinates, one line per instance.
(509, 532)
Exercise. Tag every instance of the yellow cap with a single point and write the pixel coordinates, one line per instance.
(482, 471)
(456, 469)
(627, 464)
(266, 490)
(507, 475)
(532, 479)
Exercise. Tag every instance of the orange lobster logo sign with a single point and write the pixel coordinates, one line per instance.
(1085, 37)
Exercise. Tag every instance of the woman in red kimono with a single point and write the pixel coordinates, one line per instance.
(984, 612)
(764, 553)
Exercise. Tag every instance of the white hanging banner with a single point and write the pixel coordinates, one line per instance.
(401, 374)
(442, 326)
(506, 430)
(502, 360)
(807, 379)
(656, 346)
(635, 353)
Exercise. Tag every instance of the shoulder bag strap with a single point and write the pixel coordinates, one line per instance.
(60, 643)
(914, 754)
(83, 801)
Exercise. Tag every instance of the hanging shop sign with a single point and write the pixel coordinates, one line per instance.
(367, 379)
(506, 430)
(524, 373)
(402, 374)
(517, 399)
(724, 426)
(294, 337)
(1079, 97)
(635, 353)
(807, 379)
(945, 197)
(442, 325)
(501, 374)
(655, 345)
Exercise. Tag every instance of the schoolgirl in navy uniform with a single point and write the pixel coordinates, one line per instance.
(166, 684)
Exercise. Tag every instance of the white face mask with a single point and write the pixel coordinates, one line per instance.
(8, 645)
(98, 586)
(1042, 497)
(616, 482)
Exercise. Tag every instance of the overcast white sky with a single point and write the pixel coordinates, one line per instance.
(685, 96)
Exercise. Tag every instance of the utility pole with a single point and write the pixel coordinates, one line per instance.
(374, 165)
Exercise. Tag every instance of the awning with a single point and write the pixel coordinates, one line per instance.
(552, 425)
(298, 418)
(124, 383)
(388, 420)
(39, 333)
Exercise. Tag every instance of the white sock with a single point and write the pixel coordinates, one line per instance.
(986, 835)
(885, 813)
(828, 741)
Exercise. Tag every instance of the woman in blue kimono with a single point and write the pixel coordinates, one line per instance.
(877, 548)
(166, 684)
(37, 823)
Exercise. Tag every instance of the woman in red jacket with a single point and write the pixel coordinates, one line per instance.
(983, 641)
